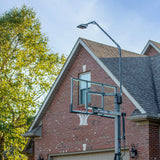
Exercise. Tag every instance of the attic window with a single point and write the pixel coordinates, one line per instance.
(83, 87)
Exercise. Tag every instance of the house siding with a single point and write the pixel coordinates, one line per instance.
(61, 132)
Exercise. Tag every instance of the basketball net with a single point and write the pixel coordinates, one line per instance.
(83, 117)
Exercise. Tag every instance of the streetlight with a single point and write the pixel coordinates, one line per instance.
(84, 26)
(119, 95)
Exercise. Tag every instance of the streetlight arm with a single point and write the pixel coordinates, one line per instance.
(93, 22)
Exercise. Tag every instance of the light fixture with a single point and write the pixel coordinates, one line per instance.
(85, 25)
(82, 26)
(133, 152)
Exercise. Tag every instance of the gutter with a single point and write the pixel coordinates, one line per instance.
(139, 118)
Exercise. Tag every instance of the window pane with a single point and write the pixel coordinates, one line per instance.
(82, 96)
(83, 86)
(85, 76)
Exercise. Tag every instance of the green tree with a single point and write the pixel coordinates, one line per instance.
(27, 69)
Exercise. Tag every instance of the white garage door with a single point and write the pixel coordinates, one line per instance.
(89, 156)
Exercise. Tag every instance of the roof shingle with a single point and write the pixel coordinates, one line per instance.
(104, 51)
(137, 79)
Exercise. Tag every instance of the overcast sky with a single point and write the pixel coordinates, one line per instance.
(130, 22)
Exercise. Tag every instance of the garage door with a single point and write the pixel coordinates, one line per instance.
(89, 156)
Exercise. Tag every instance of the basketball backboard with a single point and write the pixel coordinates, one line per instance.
(88, 97)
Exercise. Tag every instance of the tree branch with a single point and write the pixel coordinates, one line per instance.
(16, 121)
(20, 126)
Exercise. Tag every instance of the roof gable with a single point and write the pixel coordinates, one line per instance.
(97, 51)
(149, 45)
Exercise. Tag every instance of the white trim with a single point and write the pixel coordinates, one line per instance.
(138, 106)
(85, 152)
(84, 68)
(84, 147)
(150, 44)
(145, 48)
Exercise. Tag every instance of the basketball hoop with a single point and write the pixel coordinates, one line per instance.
(83, 117)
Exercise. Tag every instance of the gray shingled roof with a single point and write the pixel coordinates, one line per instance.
(140, 78)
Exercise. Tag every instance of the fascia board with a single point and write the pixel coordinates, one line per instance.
(145, 48)
(143, 118)
(55, 83)
(150, 44)
(138, 106)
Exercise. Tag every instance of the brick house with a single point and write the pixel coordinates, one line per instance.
(57, 134)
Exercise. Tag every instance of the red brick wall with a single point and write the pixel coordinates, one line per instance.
(61, 132)
(154, 141)
(139, 136)
(152, 52)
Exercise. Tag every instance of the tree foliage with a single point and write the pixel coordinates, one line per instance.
(27, 70)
